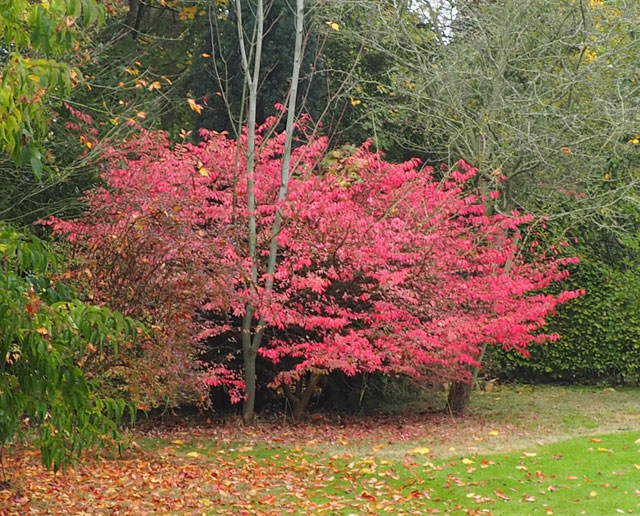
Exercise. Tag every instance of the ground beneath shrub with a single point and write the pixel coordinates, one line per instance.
(522, 451)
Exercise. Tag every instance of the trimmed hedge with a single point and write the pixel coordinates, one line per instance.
(600, 333)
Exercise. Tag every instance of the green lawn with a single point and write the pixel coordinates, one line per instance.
(585, 475)
(522, 452)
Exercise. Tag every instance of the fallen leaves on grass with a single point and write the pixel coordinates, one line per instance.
(269, 469)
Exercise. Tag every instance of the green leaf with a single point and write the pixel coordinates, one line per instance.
(36, 166)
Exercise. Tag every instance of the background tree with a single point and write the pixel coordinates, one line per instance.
(533, 93)
(40, 45)
(219, 78)
(540, 92)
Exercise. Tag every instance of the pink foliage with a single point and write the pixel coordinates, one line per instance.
(395, 272)
(382, 268)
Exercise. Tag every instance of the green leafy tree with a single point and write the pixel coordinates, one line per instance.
(368, 64)
(542, 92)
(40, 42)
(46, 334)
(218, 77)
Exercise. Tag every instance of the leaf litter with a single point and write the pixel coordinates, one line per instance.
(381, 465)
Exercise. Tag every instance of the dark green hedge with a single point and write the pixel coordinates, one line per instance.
(600, 333)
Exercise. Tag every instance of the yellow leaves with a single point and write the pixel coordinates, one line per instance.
(595, 440)
(245, 449)
(85, 142)
(410, 85)
(115, 120)
(195, 106)
(206, 55)
(42, 331)
(132, 71)
(634, 141)
(141, 114)
(605, 450)
(178, 442)
(202, 170)
(529, 454)
(637, 466)
(187, 13)
(193, 455)
(355, 102)
(333, 25)
(493, 433)
(528, 498)
(423, 450)
(467, 461)
(593, 494)
(166, 79)
(155, 85)
(590, 55)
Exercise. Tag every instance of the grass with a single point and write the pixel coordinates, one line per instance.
(594, 476)
(523, 451)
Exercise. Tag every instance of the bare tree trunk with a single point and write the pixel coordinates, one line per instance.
(299, 400)
(252, 335)
(251, 78)
(459, 397)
